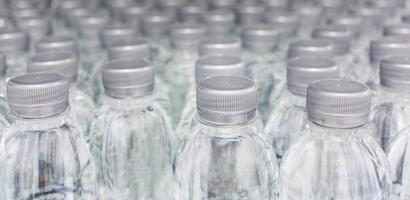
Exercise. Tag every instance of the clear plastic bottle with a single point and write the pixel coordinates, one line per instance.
(288, 117)
(259, 43)
(14, 45)
(179, 70)
(133, 139)
(336, 158)
(392, 111)
(219, 22)
(225, 156)
(205, 67)
(43, 155)
(66, 65)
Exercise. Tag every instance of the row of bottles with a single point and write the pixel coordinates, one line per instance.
(204, 99)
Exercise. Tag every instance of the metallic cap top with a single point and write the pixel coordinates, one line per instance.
(13, 41)
(303, 70)
(395, 72)
(91, 25)
(260, 37)
(37, 95)
(133, 48)
(386, 46)
(128, 78)
(397, 30)
(156, 24)
(311, 47)
(338, 103)
(57, 43)
(133, 15)
(219, 21)
(187, 35)
(286, 22)
(113, 33)
(340, 37)
(224, 45)
(218, 65)
(72, 16)
(309, 14)
(192, 12)
(226, 100)
(63, 63)
(351, 22)
(250, 13)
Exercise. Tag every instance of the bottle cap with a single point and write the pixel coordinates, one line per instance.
(284, 21)
(156, 24)
(222, 45)
(311, 47)
(63, 63)
(226, 100)
(222, 4)
(19, 14)
(133, 15)
(185, 36)
(13, 41)
(277, 5)
(218, 65)
(386, 46)
(219, 22)
(192, 12)
(250, 13)
(338, 35)
(395, 72)
(57, 44)
(397, 30)
(72, 16)
(338, 103)
(91, 25)
(351, 22)
(260, 37)
(309, 14)
(114, 33)
(37, 95)
(128, 77)
(130, 48)
(303, 70)
(36, 27)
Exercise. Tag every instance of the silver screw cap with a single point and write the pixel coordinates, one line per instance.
(132, 48)
(57, 44)
(226, 100)
(250, 13)
(223, 4)
(133, 15)
(311, 47)
(303, 70)
(114, 33)
(277, 5)
(397, 30)
(63, 63)
(309, 14)
(338, 35)
(19, 14)
(36, 27)
(187, 36)
(386, 46)
(219, 22)
(91, 25)
(156, 24)
(192, 12)
(222, 45)
(284, 21)
(351, 22)
(128, 78)
(338, 103)
(395, 72)
(260, 38)
(371, 16)
(13, 41)
(218, 65)
(72, 16)
(37, 95)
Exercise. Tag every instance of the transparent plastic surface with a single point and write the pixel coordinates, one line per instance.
(335, 164)
(225, 162)
(82, 107)
(286, 122)
(46, 159)
(133, 145)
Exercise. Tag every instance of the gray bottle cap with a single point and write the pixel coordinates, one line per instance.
(156, 24)
(65, 6)
(218, 65)
(116, 7)
(351, 22)
(386, 46)
(13, 41)
(278, 5)
(260, 38)
(74, 15)
(395, 72)
(91, 25)
(24, 13)
(311, 47)
(57, 44)
(397, 30)
(192, 12)
(338, 35)
(3, 65)
(219, 22)
(331, 7)
(286, 22)
(114, 33)
(371, 16)
(250, 13)
(128, 77)
(36, 27)
(406, 18)
(226, 100)
(222, 4)
(133, 15)
(222, 45)
(185, 36)
(338, 103)
(309, 14)
(303, 70)
(63, 63)
(37, 95)
(133, 48)
(21, 4)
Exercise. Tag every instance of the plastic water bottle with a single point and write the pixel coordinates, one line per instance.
(14, 44)
(66, 64)
(288, 117)
(225, 157)
(341, 154)
(43, 155)
(260, 42)
(132, 135)
(207, 66)
(392, 112)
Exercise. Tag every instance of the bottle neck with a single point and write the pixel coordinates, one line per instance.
(225, 131)
(41, 123)
(225, 119)
(335, 133)
(128, 103)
